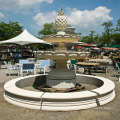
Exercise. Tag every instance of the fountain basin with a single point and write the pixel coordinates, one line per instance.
(61, 55)
(61, 77)
(15, 94)
(67, 38)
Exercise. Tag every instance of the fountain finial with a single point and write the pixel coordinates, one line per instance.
(61, 22)
(61, 12)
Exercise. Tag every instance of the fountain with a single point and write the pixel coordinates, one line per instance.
(61, 77)
(21, 91)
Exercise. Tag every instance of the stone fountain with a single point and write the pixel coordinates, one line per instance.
(61, 77)
(20, 91)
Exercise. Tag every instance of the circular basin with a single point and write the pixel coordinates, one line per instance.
(17, 95)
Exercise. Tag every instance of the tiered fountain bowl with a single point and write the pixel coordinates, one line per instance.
(22, 91)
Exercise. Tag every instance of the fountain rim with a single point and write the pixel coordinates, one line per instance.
(11, 87)
(59, 101)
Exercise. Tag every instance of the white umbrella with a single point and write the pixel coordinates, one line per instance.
(24, 38)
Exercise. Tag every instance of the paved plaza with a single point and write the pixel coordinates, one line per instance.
(110, 111)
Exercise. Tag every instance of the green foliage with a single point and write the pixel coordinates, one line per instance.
(107, 25)
(77, 34)
(115, 38)
(48, 29)
(85, 39)
(10, 30)
(91, 37)
(109, 36)
(108, 31)
(118, 26)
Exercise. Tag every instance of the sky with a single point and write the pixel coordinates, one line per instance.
(84, 15)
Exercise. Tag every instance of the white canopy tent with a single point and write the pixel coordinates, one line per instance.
(24, 38)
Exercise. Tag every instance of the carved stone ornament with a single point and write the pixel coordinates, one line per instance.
(61, 21)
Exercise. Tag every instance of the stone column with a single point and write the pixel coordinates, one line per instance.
(61, 77)
(61, 47)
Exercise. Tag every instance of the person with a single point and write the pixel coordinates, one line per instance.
(19, 55)
(92, 54)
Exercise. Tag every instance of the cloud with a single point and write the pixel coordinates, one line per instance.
(19, 4)
(86, 20)
(1, 15)
(29, 3)
(41, 18)
(83, 21)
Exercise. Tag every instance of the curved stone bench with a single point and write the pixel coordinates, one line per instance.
(59, 101)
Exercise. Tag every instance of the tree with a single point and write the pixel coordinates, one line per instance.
(85, 39)
(108, 31)
(78, 34)
(118, 26)
(48, 29)
(116, 34)
(97, 39)
(91, 37)
(103, 38)
(10, 30)
(115, 38)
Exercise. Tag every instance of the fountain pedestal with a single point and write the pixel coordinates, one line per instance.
(61, 77)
